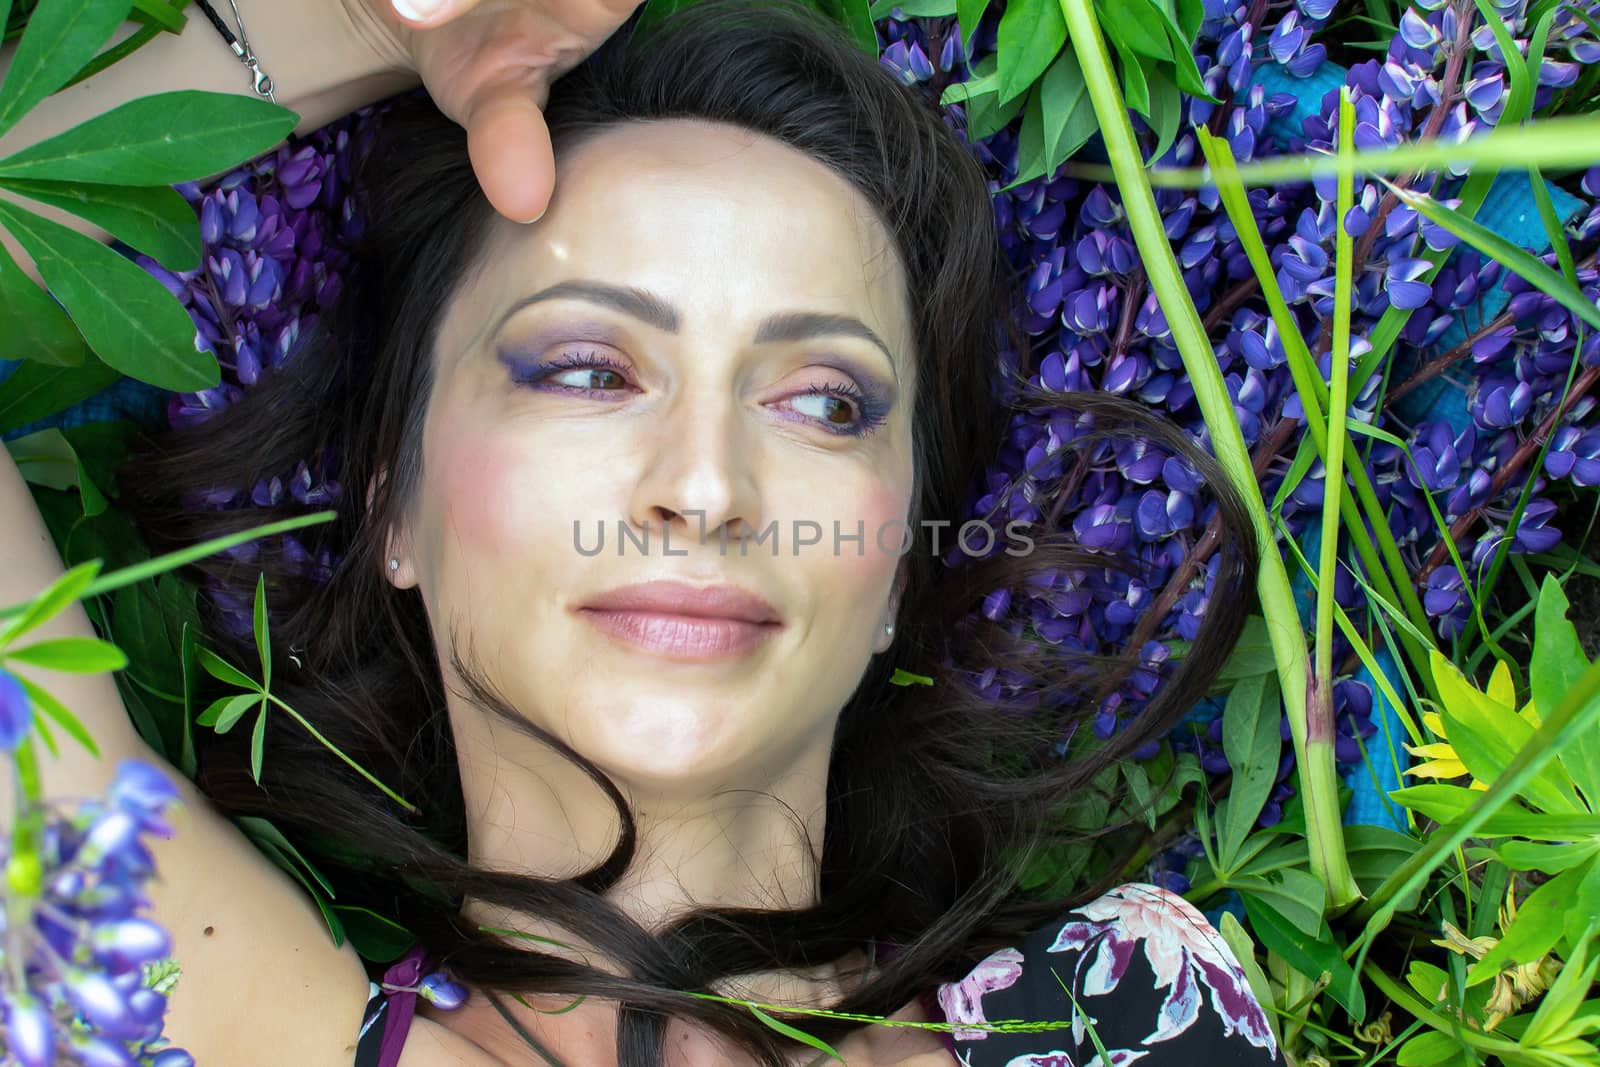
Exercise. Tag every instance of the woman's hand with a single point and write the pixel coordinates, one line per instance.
(489, 64)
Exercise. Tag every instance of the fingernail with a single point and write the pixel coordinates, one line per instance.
(418, 10)
(536, 218)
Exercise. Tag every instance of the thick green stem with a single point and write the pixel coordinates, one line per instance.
(1319, 715)
(1318, 780)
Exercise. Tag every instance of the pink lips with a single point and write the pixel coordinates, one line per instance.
(683, 621)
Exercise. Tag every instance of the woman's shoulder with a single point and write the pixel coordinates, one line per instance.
(1138, 966)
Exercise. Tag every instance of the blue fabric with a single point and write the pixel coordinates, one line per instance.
(123, 399)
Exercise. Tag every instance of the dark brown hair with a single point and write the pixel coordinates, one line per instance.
(936, 795)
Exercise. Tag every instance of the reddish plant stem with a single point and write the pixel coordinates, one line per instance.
(1513, 466)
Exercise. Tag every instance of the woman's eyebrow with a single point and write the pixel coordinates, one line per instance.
(652, 310)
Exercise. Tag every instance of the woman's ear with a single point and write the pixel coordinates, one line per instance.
(396, 560)
(891, 615)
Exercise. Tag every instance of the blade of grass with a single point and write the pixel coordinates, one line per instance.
(173, 560)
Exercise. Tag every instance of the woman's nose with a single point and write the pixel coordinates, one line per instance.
(699, 478)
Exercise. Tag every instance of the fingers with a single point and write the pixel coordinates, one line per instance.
(426, 14)
(509, 145)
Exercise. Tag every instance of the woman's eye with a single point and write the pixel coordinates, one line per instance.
(828, 408)
(602, 379)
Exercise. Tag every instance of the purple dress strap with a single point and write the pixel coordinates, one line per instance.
(402, 1003)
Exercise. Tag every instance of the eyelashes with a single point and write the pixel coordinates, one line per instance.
(870, 411)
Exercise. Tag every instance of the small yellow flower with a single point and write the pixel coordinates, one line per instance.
(1440, 759)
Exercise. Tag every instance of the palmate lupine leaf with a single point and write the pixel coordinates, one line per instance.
(62, 36)
(37, 329)
(156, 140)
(1031, 34)
(133, 322)
(153, 219)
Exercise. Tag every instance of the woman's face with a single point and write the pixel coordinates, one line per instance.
(717, 279)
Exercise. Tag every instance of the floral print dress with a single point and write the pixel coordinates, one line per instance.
(1139, 968)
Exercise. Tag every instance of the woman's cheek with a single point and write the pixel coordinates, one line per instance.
(882, 510)
(495, 497)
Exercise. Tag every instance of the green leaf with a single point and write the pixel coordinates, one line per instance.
(49, 603)
(157, 140)
(1137, 24)
(1135, 89)
(1031, 161)
(1294, 895)
(1441, 803)
(225, 712)
(1541, 917)
(62, 36)
(258, 742)
(223, 671)
(57, 712)
(1185, 71)
(75, 655)
(36, 391)
(1031, 34)
(1488, 737)
(1565, 994)
(986, 115)
(1508, 255)
(154, 220)
(1375, 853)
(856, 17)
(259, 625)
(923, 9)
(1251, 741)
(187, 761)
(1251, 655)
(1066, 112)
(47, 458)
(1558, 661)
(968, 15)
(37, 330)
(1166, 109)
(1312, 956)
(1585, 905)
(1139, 792)
(1432, 1048)
(799, 1035)
(1191, 13)
(374, 937)
(903, 677)
(131, 321)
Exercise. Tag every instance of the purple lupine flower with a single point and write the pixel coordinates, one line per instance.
(16, 712)
(77, 939)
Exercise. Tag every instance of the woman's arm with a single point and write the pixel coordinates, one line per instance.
(262, 984)
(326, 57)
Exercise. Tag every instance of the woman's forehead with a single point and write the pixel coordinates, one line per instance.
(727, 225)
